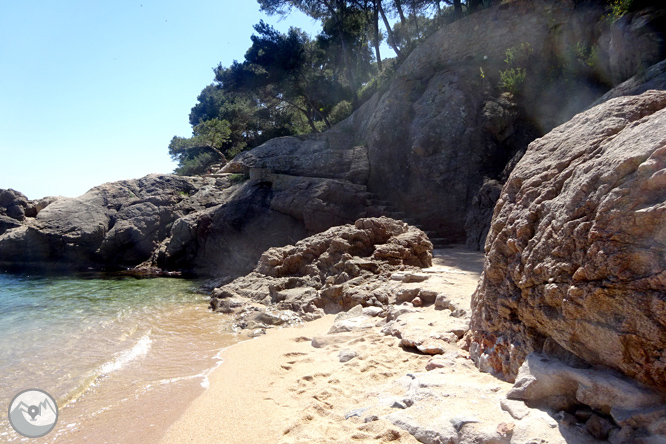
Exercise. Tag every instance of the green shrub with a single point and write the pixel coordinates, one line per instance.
(518, 58)
(236, 178)
(340, 112)
(197, 164)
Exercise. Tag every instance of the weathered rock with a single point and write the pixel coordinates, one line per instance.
(442, 125)
(635, 42)
(13, 204)
(551, 383)
(652, 78)
(113, 225)
(329, 155)
(320, 203)
(7, 223)
(337, 269)
(347, 355)
(576, 250)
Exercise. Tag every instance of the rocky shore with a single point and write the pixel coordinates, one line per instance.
(563, 187)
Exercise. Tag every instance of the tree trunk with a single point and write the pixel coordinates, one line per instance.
(472, 5)
(457, 8)
(375, 23)
(417, 31)
(398, 6)
(391, 38)
(339, 17)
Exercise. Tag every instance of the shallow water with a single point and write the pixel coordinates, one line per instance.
(114, 351)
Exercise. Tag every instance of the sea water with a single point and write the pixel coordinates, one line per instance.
(119, 354)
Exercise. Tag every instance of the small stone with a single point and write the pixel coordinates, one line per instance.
(372, 311)
(417, 302)
(583, 414)
(355, 412)
(599, 427)
(347, 355)
(459, 422)
(505, 428)
(517, 409)
(399, 405)
(371, 418)
(442, 301)
(438, 362)
(566, 418)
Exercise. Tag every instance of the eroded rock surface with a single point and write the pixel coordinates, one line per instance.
(336, 270)
(576, 254)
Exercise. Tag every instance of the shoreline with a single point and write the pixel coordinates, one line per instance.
(139, 394)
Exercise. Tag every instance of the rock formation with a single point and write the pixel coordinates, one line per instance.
(334, 270)
(575, 255)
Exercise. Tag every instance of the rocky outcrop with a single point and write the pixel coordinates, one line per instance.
(635, 42)
(652, 78)
(112, 226)
(334, 270)
(442, 128)
(575, 255)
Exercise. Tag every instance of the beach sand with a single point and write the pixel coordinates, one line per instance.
(279, 388)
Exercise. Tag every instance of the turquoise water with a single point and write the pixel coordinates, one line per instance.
(72, 336)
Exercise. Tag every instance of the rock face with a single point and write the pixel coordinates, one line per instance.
(334, 270)
(576, 254)
(442, 128)
(652, 78)
(190, 224)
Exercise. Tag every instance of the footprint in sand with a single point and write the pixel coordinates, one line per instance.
(293, 354)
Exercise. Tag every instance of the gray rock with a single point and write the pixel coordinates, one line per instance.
(7, 223)
(459, 422)
(347, 355)
(355, 412)
(549, 382)
(372, 311)
(517, 409)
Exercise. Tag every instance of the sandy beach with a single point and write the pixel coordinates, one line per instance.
(293, 385)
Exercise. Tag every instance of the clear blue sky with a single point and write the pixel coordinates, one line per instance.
(92, 91)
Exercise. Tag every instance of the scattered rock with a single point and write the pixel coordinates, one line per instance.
(355, 412)
(347, 355)
(517, 409)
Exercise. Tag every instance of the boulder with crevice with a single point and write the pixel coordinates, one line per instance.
(576, 254)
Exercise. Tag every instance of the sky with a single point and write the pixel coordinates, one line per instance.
(92, 91)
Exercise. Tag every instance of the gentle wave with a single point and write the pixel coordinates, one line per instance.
(140, 349)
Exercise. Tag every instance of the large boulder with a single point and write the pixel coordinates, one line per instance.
(334, 270)
(13, 204)
(576, 254)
